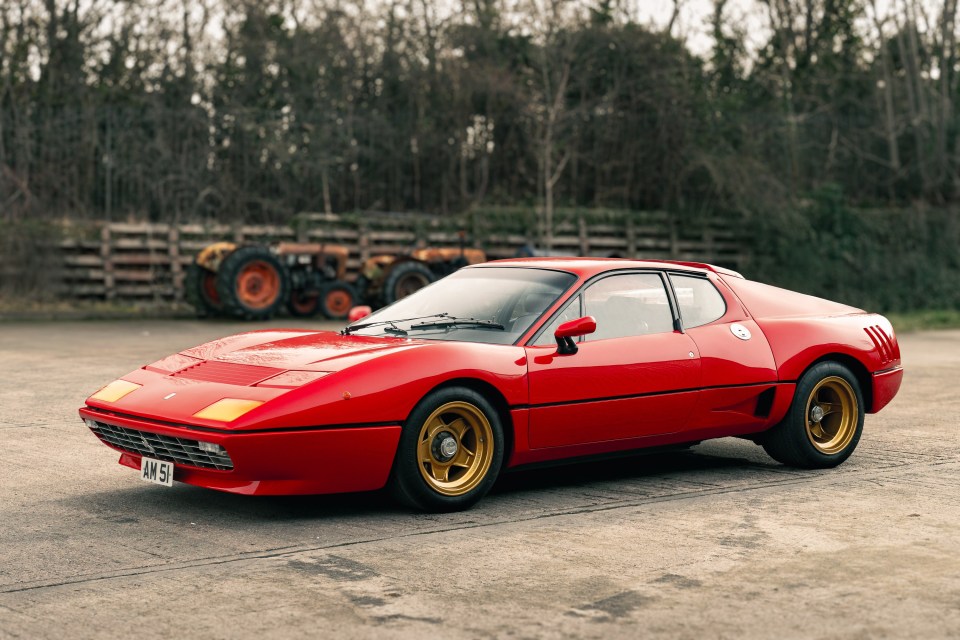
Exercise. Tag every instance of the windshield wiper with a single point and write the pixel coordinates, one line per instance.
(450, 322)
(394, 329)
(392, 324)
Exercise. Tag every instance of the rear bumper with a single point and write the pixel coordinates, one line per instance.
(277, 462)
(885, 386)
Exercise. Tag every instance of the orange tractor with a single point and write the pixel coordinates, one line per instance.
(253, 281)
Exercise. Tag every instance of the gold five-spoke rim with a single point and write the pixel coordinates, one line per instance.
(832, 415)
(455, 448)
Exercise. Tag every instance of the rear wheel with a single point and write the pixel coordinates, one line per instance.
(336, 299)
(252, 283)
(824, 422)
(200, 291)
(404, 279)
(450, 451)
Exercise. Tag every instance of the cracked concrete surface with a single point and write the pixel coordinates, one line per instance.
(717, 542)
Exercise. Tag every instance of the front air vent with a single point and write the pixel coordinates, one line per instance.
(242, 375)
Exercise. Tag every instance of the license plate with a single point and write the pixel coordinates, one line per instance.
(156, 471)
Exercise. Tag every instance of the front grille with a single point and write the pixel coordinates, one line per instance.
(154, 445)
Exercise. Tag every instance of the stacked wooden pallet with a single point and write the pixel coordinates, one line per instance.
(147, 261)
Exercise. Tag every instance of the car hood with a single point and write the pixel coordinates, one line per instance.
(241, 367)
(299, 350)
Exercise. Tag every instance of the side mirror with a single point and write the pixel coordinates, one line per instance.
(358, 313)
(566, 332)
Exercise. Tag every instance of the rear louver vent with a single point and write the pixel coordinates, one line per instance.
(227, 373)
(882, 341)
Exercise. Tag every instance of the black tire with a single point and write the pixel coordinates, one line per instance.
(800, 439)
(404, 279)
(199, 293)
(336, 299)
(469, 475)
(362, 286)
(302, 304)
(252, 284)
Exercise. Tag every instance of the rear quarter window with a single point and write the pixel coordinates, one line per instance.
(699, 301)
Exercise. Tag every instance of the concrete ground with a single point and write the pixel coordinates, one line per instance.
(717, 542)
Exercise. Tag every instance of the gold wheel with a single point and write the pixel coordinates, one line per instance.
(832, 415)
(455, 448)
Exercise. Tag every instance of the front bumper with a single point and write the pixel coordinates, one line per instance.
(274, 462)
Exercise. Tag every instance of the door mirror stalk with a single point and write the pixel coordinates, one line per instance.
(566, 333)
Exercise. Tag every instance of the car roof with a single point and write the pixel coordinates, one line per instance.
(589, 267)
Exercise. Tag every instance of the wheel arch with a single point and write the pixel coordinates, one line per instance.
(857, 368)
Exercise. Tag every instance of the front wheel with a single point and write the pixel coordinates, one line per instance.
(824, 422)
(450, 451)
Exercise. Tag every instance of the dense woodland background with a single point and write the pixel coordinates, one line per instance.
(827, 128)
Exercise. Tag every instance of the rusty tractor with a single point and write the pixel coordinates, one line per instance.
(253, 282)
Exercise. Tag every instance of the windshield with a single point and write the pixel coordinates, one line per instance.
(487, 304)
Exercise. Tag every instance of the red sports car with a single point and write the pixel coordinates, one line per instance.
(505, 364)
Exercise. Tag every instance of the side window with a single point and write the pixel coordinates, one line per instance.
(700, 302)
(570, 312)
(631, 304)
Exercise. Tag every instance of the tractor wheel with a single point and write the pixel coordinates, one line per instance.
(302, 304)
(336, 299)
(200, 291)
(252, 283)
(404, 279)
(362, 286)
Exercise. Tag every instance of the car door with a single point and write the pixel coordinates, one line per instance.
(634, 377)
(738, 373)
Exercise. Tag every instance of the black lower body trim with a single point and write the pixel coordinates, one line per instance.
(648, 395)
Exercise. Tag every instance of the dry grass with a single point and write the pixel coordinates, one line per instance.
(925, 320)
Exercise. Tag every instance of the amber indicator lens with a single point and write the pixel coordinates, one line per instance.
(115, 390)
(227, 410)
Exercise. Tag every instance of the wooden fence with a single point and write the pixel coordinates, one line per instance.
(147, 261)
